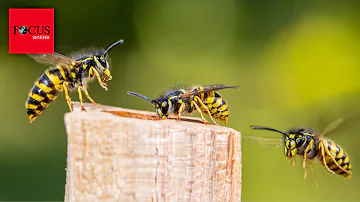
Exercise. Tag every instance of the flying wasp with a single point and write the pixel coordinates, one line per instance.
(187, 99)
(312, 145)
(67, 74)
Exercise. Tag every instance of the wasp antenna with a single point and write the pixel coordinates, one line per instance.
(267, 128)
(114, 45)
(141, 96)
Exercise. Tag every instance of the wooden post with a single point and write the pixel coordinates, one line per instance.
(117, 154)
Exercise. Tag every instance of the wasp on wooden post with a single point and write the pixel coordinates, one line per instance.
(67, 74)
(185, 100)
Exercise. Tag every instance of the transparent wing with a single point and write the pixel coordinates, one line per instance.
(52, 59)
(332, 126)
(208, 88)
(266, 142)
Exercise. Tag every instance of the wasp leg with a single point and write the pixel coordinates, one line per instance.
(88, 96)
(322, 147)
(182, 107)
(314, 174)
(332, 158)
(304, 160)
(304, 166)
(102, 84)
(200, 112)
(81, 98)
(292, 159)
(67, 97)
(196, 98)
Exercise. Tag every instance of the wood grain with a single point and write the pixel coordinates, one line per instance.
(117, 154)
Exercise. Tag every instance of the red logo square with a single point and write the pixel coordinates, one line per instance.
(31, 30)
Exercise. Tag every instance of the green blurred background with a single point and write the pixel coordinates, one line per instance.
(297, 63)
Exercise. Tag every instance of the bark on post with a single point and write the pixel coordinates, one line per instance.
(117, 154)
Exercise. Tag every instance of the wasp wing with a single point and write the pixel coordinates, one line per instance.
(332, 126)
(206, 89)
(53, 59)
(266, 142)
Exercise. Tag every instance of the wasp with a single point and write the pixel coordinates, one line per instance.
(67, 74)
(182, 99)
(312, 145)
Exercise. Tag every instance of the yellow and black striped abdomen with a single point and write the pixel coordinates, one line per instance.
(216, 105)
(340, 157)
(45, 90)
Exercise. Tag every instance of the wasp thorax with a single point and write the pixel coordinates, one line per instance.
(162, 109)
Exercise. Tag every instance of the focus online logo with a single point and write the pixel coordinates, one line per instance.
(31, 30)
(37, 32)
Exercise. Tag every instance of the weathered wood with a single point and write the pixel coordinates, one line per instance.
(117, 154)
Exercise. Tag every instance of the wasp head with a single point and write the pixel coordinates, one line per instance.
(161, 105)
(102, 66)
(290, 145)
(102, 63)
(295, 141)
(162, 108)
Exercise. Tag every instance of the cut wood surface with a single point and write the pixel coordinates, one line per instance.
(117, 154)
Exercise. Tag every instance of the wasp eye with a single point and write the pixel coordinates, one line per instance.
(164, 107)
(298, 142)
(103, 61)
